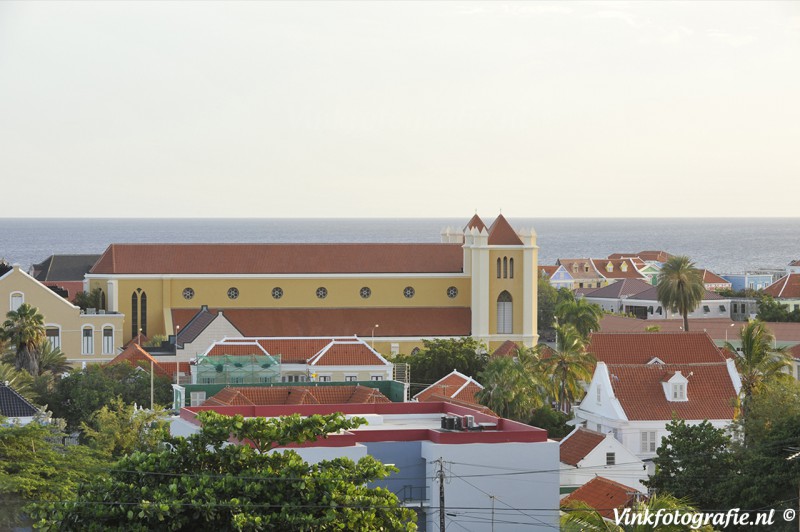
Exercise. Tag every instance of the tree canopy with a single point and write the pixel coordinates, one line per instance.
(441, 356)
(680, 287)
(24, 330)
(202, 482)
(579, 313)
(511, 386)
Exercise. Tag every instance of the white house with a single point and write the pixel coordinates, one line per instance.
(586, 454)
(14, 408)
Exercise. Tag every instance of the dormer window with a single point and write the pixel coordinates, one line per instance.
(679, 392)
(609, 267)
(624, 267)
(574, 268)
(586, 268)
(675, 387)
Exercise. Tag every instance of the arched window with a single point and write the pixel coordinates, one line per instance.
(87, 341)
(505, 313)
(108, 340)
(505, 267)
(511, 268)
(498, 268)
(134, 314)
(143, 318)
(17, 299)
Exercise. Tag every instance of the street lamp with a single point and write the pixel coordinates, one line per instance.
(177, 365)
(373, 335)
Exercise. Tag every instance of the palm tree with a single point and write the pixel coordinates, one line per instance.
(579, 517)
(567, 367)
(511, 388)
(579, 313)
(17, 379)
(24, 329)
(52, 360)
(759, 361)
(680, 287)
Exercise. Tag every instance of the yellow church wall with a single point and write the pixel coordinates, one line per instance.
(513, 286)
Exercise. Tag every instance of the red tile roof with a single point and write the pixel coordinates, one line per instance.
(347, 353)
(236, 347)
(396, 321)
(548, 270)
(476, 222)
(506, 349)
(140, 339)
(578, 444)
(641, 348)
(296, 395)
(787, 287)
(455, 385)
(138, 357)
(794, 351)
(710, 277)
(604, 495)
(717, 328)
(172, 368)
(654, 256)
(616, 272)
(502, 234)
(639, 389)
(279, 258)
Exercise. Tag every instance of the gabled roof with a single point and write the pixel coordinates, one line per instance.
(296, 395)
(63, 267)
(297, 322)
(138, 357)
(639, 389)
(654, 256)
(189, 332)
(579, 443)
(652, 295)
(13, 404)
(621, 289)
(506, 349)
(141, 259)
(548, 270)
(717, 328)
(710, 277)
(582, 264)
(787, 287)
(640, 348)
(348, 353)
(617, 266)
(237, 347)
(604, 495)
(475, 222)
(502, 234)
(140, 339)
(324, 351)
(454, 385)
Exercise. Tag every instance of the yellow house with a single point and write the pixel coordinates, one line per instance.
(82, 337)
(479, 281)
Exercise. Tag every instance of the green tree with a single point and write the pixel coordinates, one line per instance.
(35, 466)
(553, 421)
(511, 387)
(202, 482)
(759, 361)
(680, 287)
(546, 304)
(771, 310)
(24, 330)
(76, 397)
(582, 315)
(579, 517)
(93, 299)
(20, 380)
(439, 357)
(118, 429)
(691, 463)
(567, 367)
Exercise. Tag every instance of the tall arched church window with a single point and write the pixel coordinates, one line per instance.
(505, 313)
(498, 267)
(511, 268)
(143, 317)
(134, 314)
(505, 267)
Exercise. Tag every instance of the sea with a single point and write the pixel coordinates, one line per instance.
(723, 245)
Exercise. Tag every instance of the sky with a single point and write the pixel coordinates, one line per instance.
(407, 109)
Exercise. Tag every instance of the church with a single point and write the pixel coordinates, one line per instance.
(479, 281)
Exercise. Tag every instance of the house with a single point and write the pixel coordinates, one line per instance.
(586, 453)
(652, 256)
(558, 276)
(715, 283)
(748, 280)
(483, 458)
(641, 381)
(199, 332)
(583, 272)
(64, 273)
(605, 496)
(614, 270)
(480, 282)
(14, 408)
(786, 291)
(794, 266)
(84, 337)
(454, 385)
(295, 395)
(611, 298)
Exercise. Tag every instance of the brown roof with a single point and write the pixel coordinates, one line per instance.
(549, 270)
(603, 495)
(578, 444)
(502, 234)
(654, 256)
(140, 339)
(455, 385)
(787, 287)
(710, 277)
(641, 348)
(476, 222)
(241, 347)
(279, 258)
(138, 357)
(582, 264)
(172, 368)
(717, 328)
(294, 350)
(507, 348)
(616, 268)
(794, 351)
(621, 289)
(347, 353)
(296, 395)
(639, 389)
(394, 321)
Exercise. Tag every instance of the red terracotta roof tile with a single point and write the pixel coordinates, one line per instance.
(787, 287)
(349, 353)
(476, 222)
(548, 270)
(710, 277)
(455, 385)
(578, 444)
(604, 495)
(138, 357)
(236, 347)
(717, 328)
(279, 258)
(502, 234)
(794, 351)
(395, 321)
(507, 348)
(296, 395)
(639, 389)
(617, 266)
(641, 348)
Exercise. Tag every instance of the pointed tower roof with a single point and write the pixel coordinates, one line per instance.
(475, 221)
(502, 234)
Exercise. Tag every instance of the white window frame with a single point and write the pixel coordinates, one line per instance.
(16, 294)
(323, 378)
(376, 377)
(678, 391)
(108, 347)
(351, 378)
(197, 398)
(648, 441)
(57, 328)
(87, 348)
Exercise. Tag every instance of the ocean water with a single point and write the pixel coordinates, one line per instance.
(726, 245)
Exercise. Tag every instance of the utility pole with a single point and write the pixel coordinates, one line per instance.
(440, 475)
